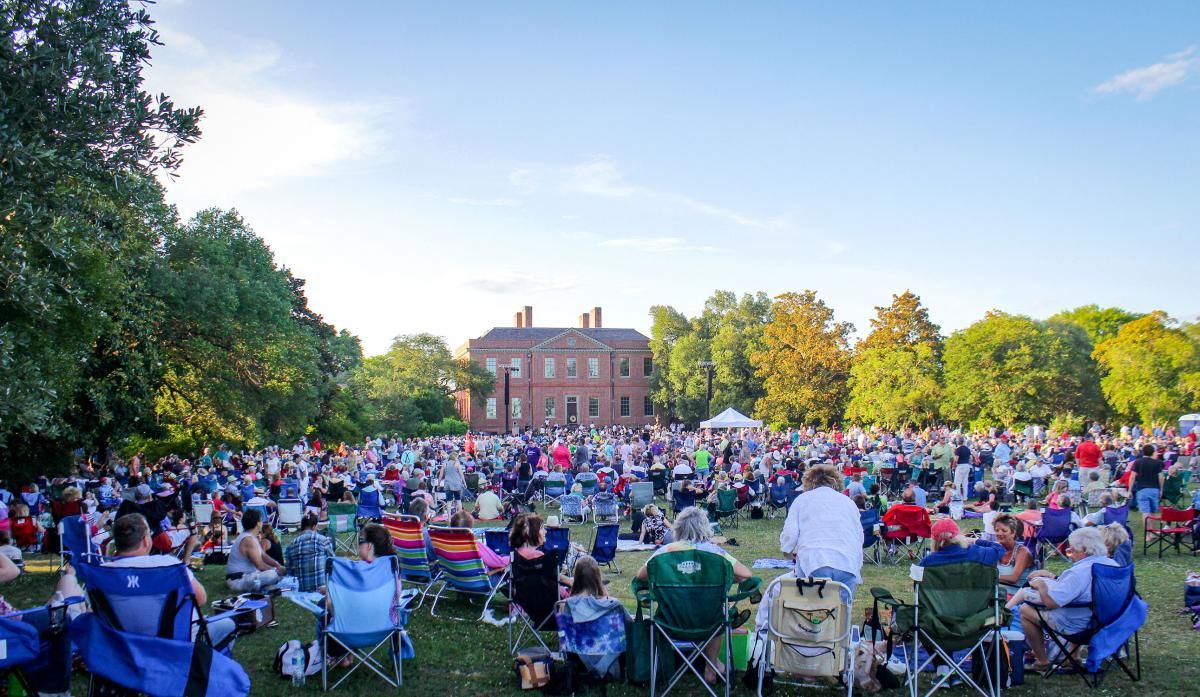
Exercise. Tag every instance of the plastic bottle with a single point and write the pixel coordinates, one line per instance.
(296, 668)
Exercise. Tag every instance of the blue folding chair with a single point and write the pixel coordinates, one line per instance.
(290, 489)
(870, 521)
(77, 543)
(1056, 528)
(558, 543)
(497, 541)
(366, 616)
(605, 507)
(37, 651)
(145, 634)
(368, 505)
(604, 546)
(572, 508)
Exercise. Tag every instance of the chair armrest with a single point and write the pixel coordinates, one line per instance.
(885, 596)
(308, 601)
(748, 589)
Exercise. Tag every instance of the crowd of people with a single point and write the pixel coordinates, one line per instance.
(146, 512)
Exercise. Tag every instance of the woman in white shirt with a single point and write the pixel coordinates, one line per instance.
(823, 532)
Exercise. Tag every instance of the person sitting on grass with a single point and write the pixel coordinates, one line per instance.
(307, 556)
(488, 505)
(249, 568)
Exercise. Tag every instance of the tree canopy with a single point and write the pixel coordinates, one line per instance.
(1152, 370)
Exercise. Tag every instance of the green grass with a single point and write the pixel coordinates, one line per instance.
(468, 658)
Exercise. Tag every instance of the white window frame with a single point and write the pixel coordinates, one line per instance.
(548, 367)
(551, 408)
(489, 364)
(591, 401)
(491, 408)
(572, 368)
(593, 363)
(516, 366)
(625, 407)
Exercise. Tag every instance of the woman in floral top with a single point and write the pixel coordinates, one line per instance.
(654, 526)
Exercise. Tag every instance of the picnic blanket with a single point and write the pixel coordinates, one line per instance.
(773, 564)
(633, 546)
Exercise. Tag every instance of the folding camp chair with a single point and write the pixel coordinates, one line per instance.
(139, 635)
(1056, 528)
(777, 498)
(593, 637)
(727, 509)
(554, 489)
(471, 490)
(289, 514)
(367, 616)
(1118, 613)
(687, 595)
(810, 633)
(681, 497)
(289, 489)
(957, 614)
(202, 512)
(497, 541)
(532, 595)
(604, 546)
(1170, 528)
(408, 539)
(641, 494)
(1022, 489)
(605, 508)
(658, 479)
(76, 537)
(558, 543)
(572, 508)
(24, 533)
(907, 531)
(342, 527)
(37, 651)
(461, 569)
(368, 505)
(264, 513)
(869, 519)
(588, 483)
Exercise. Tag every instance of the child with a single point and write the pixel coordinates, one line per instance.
(587, 579)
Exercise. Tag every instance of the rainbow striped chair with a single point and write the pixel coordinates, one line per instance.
(408, 538)
(460, 568)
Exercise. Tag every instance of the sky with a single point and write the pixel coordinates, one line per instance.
(436, 166)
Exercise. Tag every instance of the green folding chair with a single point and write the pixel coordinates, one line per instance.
(956, 608)
(687, 596)
(727, 509)
(342, 528)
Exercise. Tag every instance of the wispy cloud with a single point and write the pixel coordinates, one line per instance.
(491, 202)
(506, 283)
(659, 245)
(601, 175)
(1149, 80)
(256, 131)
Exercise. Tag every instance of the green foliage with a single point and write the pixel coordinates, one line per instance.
(804, 361)
(1099, 323)
(1009, 368)
(448, 426)
(1068, 422)
(1152, 370)
(79, 219)
(894, 386)
(904, 323)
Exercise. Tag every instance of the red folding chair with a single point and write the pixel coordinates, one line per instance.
(906, 527)
(1171, 527)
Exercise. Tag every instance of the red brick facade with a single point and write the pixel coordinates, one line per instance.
(577, 369)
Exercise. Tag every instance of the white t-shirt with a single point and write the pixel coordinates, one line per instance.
(823, 528)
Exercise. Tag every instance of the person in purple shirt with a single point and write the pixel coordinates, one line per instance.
(533, 454)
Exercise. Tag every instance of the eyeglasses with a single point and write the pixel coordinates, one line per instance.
(363, 541)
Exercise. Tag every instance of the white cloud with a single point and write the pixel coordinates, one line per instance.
(1148, 80)
(510, 283)
(601, 175)
(490, 202)
(659, 245)
(256, 131)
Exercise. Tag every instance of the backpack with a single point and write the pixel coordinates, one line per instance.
(310, 657)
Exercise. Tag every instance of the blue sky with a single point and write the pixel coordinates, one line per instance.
(433, 167)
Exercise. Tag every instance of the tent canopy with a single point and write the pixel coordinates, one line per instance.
(731, 418)
(1187, 422)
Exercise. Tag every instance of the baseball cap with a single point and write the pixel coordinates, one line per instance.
(143, 491)
(945, 529)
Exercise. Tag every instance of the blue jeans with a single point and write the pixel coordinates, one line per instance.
(217, 631)
(1147, 500)
(845, 578)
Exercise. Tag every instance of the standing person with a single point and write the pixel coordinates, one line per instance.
(823, 533)
(1147, 481)
(249, 567)
(939, 455)
(1087, 455)
(964, 459)
(454, 482)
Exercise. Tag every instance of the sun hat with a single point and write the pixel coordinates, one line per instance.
(945, 529)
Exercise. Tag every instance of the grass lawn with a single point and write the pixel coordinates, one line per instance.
(469, 658)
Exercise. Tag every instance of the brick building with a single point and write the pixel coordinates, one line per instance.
(564, 375)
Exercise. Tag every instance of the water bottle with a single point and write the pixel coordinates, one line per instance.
(296, 668)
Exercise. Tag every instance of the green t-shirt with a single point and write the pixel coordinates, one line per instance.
(702, 458)
(941, 455)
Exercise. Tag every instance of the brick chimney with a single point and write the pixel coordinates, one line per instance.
(596, 318)
(585, 321)
(528, 316)
(518, 320)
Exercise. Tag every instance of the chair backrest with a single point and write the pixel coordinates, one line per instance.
(912, 519)
(690, 589)
(726, 500)
(361, 595)
(202, 512)
(342, 517)
(77, 539)
(1116, 514)
(558, 541)
(247, 492)
(604, 546)
(954, 598)
(291, 511)
(599, 641)
(1175, 515)
(263, 511)
(1112, 590)
(605, 503)
(869, 518)
(682, 498)
(572, 505)
(154, 601)
(408, 538)
(458, 559)
(497, 541)
(809, 627)
(368, 501)
(1056, 524)
(290, 489)
(641, 494)
(533, 586)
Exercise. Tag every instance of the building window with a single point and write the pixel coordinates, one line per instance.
(648, 406)
(516, 407)
(491, 407)
(625, 367)
(550, 407)
(572, 409)
(516, 367)
(647, 366)
(548, 364)
(624, 406)
(593, 407)
(572, 368)
(491, 365)
(593, 367)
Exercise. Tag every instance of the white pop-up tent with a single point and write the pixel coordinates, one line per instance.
(731, 418)
(1187, 422)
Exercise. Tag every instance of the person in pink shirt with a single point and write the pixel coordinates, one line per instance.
(494, 563)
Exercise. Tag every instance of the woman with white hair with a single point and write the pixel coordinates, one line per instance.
(1073, 586)
(823, 533)
(693, 531)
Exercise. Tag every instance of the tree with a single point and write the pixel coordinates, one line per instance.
(667, 327)
(1152, 370)
(804, 361)
(1010, 368)
(739, 333)
(1099, 323)
(894, 386)
(79, 213)
(903, 323)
